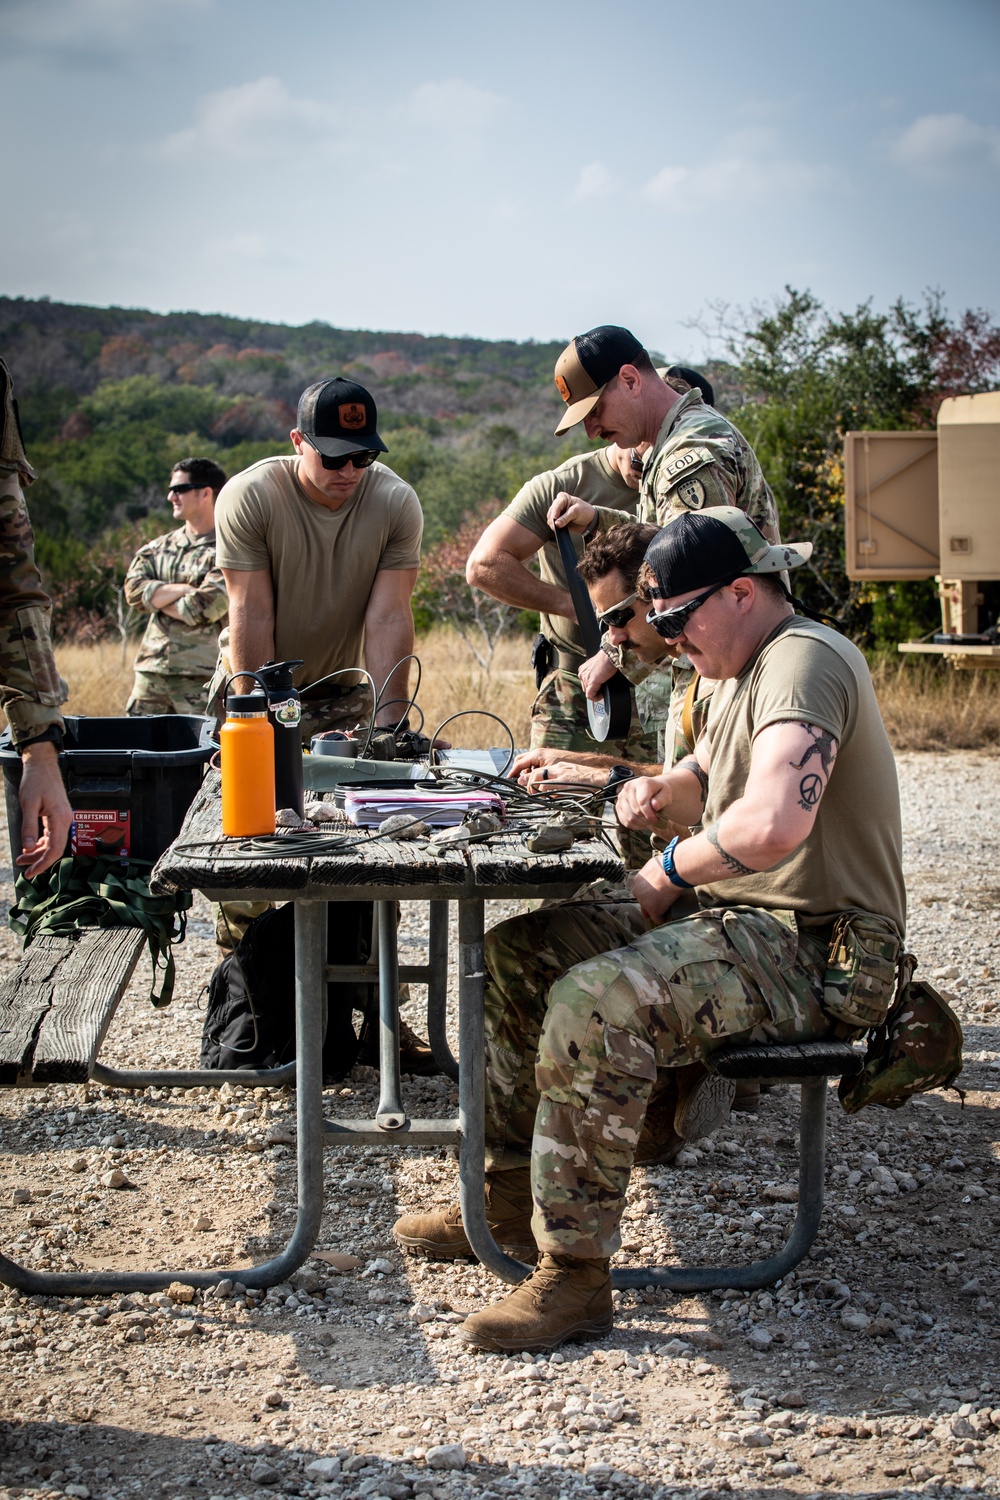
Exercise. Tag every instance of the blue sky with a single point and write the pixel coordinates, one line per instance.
(523, 171)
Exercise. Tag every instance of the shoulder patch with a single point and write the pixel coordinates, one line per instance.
(691, 493)
(694, 458)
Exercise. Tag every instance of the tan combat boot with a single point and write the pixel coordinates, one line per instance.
(440, 1236)
(564, 1298)
(704, 1101)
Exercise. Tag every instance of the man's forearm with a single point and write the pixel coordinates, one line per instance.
(503, 577)
(386, 643)
(251, 639)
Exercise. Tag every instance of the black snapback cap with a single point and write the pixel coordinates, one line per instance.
(339, 416)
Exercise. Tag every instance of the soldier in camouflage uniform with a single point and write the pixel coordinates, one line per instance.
(794, 781)
(31, 689)
(695, 458)
(499, 566)
(175, 581)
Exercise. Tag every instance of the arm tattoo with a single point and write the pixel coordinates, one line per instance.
(812, 785)
(692, 764)
(734, 864)
(822, 744)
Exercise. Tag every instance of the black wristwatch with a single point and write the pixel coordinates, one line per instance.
(616, 777)
(52, 733)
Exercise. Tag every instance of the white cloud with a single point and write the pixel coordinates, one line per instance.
(748, 167)
(252, 122)
(594, 181)
(937, 146)
(84, 29)
(454, 105)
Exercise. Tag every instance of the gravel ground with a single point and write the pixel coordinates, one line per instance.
(872, 1369)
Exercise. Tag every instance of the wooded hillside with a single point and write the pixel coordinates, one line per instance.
(111, 398)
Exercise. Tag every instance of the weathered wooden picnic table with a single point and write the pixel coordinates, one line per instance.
(385, 872)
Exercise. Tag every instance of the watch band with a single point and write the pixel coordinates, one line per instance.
(52, 733)
(671, 871)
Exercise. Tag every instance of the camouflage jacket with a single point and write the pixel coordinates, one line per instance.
(699, 459)
(31, 689)
(187, 647)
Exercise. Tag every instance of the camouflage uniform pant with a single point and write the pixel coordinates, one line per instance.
(572, 1058)
(559, 722)
(233, 918)
(166, 693)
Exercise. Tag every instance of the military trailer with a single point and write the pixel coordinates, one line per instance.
(927, 505)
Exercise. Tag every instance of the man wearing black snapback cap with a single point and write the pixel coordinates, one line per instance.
(799, 864)
(320, 554)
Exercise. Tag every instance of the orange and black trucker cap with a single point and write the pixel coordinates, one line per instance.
(586, 365)
(339, 416)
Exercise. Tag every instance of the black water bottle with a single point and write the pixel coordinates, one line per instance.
(284, 709)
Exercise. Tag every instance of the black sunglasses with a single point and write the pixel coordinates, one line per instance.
(182, 489)
(363, 459)
(617, 617)
(670, 623)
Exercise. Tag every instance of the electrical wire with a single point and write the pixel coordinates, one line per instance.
(483, 713)
(342, 672)
(409, 703)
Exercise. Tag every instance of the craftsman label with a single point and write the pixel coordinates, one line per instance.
(100, 832)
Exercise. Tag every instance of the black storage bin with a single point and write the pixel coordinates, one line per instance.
(129, 782)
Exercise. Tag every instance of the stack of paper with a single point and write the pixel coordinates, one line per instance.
(367, 807)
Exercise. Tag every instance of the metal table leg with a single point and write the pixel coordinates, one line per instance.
(472, 1094)
(390, 1114)
(812, 1155)
(437, 988)
(310, 960)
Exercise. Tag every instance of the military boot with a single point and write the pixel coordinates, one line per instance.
(564, 1298)
(440, 1236)
(704, 1101)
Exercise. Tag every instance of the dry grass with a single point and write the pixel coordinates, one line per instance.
(926, 706)
(100, 684)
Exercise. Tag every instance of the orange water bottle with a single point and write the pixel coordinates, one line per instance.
(246, 743)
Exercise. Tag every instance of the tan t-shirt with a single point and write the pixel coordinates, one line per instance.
(853, 859)
(591, 477)
(323, 562)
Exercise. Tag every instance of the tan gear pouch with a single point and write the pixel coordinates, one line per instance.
(860, 978)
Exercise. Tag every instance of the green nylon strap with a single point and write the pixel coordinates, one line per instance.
(79, 893)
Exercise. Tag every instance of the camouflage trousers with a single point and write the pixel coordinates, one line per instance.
(559, 722)
(572, 1057)
(166, 693)
(233, 918)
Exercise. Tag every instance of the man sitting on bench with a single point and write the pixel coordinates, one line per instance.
(795, 785)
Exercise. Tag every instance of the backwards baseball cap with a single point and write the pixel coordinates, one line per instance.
(586, 365)
(339, 416)
(715, 545)
(694, 378)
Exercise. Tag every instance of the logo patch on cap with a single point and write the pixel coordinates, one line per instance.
(352, 415)
(563, 389)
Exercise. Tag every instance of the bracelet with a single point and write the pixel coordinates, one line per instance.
(670, 869)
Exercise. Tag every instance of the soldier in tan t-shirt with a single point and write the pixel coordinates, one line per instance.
(498, 564)
(320, 555)
(796, 782)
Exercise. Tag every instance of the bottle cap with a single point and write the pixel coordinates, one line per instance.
(246, 703)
